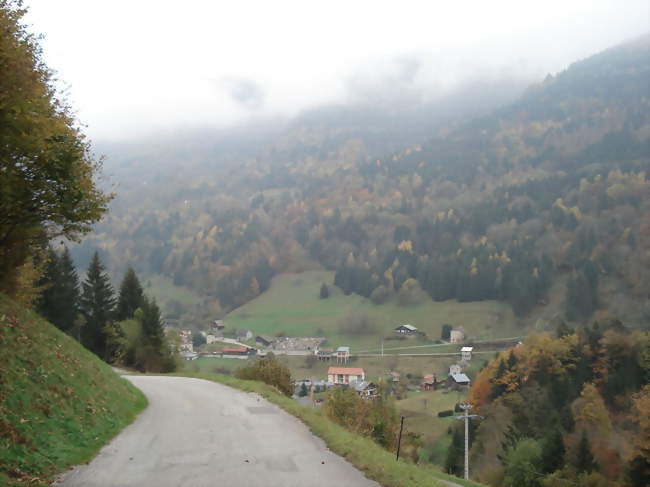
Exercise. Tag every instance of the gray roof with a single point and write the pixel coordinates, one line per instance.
(343, 349)
(408, 327)
(460, 378)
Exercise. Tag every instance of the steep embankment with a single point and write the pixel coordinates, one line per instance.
(58, 402)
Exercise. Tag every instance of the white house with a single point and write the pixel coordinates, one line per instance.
(456, 336)
(342, 354)
(455, 369)
(466, 353)
(345, 375)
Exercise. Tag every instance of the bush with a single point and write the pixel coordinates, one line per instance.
(445, 413)
(269, 371)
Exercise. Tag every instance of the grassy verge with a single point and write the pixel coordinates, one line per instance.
(377, 463)
(59, 404)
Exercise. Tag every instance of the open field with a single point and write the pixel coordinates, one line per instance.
(292, 306)
(163, 289)
(375, 367)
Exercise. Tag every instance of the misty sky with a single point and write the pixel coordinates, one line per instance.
(138, 66)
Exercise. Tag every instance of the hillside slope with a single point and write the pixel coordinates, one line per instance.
(58, 402)
(551, 189)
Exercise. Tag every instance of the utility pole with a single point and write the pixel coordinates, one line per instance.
(399, 439)
(466, 407)
(382, 347)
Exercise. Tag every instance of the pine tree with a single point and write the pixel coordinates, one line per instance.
(553, 451)
(97, 303)
(59, 301)
(69, 290)
(130, 297)
(49, 303)
(584, 458)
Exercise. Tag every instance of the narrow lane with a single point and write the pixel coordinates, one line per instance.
(198, 433)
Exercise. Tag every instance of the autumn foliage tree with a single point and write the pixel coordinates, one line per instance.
(47, 187)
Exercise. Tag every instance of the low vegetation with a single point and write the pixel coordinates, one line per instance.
(57, 400)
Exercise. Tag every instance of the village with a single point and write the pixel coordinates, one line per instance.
(309, 390)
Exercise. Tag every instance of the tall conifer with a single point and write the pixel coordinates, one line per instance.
(130, 297)
(97, 303)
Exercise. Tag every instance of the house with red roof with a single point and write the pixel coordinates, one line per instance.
(345, 375)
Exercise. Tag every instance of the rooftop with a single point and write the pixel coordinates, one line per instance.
(460, 378)
(343, 349)
(345, 371)
(467, 349)
(408, 327)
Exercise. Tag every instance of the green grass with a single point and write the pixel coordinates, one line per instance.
(374, 461)
(420, 411)
(59, 404)
(165, 291)
(374, 367)
(292, 305)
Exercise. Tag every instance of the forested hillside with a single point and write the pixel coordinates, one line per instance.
(570, 408)
(549, 188)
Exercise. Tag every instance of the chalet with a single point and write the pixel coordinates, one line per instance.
(218, 324)
(466, 353)
(366, 389)
(394, 376)
(457, 382)
(264, 340)
(343, 354)
(455, 369)
(189, 355)
(235, 350)
(345, 375)
(456, 336)
(429, 382)
(406, 330)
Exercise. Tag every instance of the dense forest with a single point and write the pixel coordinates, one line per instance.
(548, 190)
(563, 409)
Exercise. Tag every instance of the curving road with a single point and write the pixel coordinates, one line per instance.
(198, 433)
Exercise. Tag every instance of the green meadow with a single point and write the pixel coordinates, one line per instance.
(292, 306)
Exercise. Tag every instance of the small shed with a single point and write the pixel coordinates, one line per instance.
(366, 389)
(429, 382)
(466, 353)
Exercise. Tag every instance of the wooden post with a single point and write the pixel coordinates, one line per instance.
(399, 438)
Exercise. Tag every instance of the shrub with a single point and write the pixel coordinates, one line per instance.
(270, 371)
(445, 413)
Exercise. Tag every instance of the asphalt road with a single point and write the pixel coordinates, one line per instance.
(198, 433)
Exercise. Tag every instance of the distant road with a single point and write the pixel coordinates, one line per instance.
(197, 433)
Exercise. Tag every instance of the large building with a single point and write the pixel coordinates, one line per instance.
(345, 375)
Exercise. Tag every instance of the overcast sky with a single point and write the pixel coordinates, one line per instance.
(134, 67)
